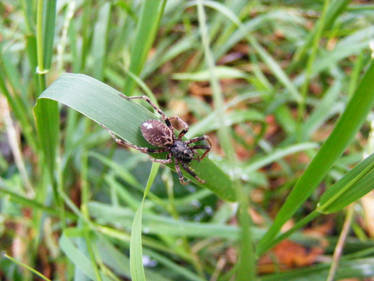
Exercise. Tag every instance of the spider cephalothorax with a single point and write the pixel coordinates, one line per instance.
(161, 135)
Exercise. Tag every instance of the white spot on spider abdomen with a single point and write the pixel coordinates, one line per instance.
(148, 125)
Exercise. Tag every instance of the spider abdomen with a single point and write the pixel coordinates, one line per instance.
(182, 152)
(157, 133)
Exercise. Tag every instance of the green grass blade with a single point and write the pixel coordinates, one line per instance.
(276, 69)
(46, 112)
(49, 19)
(311, 59)
(322, 111)
(30, 203)
(26, 267)
(136, 253)
(334, 10)
(222, 72)
(246, 267)
(278, 154)
(343, 133)
(351, 187)
(76, 257)
(47, 122)
(119, 262)
(150, 16)
(136, 256)
(16, 104)
(156, 224)
(99, 41)
(103, 104)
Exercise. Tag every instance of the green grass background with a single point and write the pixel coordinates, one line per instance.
(288, 97)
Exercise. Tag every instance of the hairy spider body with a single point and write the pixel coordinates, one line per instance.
(161, 135)
(181, 151)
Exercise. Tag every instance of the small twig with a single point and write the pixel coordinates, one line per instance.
(17, 262)
(14, 143)
(220, 265)
(339, 246)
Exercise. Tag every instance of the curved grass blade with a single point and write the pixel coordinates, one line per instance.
(346, 128)
(351, 187)
(104, 105)
(136, 253)
(355, 268)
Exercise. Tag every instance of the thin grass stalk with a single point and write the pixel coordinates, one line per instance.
(6, 190)
(85, 213)
(46, 112)
(311, 60)
(335, 9)
(40, 45)
(86, 22)
(29, 268)
(150, 15)
(174, 213)
(136, 251)
(339, 247)
(246, 270)
(17, 108)
(304, 221)
(15, 146)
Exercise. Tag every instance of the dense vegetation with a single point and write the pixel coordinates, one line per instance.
(284, 90)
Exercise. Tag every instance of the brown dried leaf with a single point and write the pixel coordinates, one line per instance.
(288, 254)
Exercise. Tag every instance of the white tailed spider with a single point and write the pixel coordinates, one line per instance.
(161, 134)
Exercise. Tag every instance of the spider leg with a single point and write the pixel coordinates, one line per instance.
(179, 172)
(147, 99)
(206, 147)
(183, 123)
(163, 161)
(192, 173)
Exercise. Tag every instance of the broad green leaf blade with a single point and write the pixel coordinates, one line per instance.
(346, 128)
(351, 187)
(104, 105)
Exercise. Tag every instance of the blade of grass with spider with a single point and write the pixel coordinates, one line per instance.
(104, 105)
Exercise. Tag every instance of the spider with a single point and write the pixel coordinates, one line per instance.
(161, 134)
